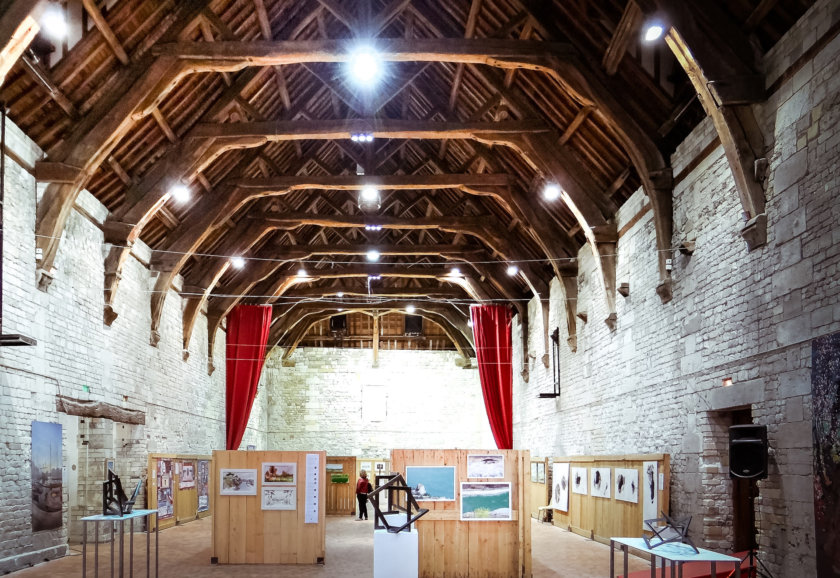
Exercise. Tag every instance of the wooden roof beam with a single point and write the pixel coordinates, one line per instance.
(106, 30)
(626, 33)
(18, 27)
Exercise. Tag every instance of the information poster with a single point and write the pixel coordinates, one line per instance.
(203, 490)
(166, 505)
(313, 484)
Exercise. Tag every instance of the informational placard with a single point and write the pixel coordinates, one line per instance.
(313, 483)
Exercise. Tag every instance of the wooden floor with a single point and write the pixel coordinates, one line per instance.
(185, 553)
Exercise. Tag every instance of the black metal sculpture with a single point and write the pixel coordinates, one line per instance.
(114, 500)
(399, 501)
(667, 530)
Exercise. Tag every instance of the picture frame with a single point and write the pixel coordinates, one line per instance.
(236, 482)
(279, 474)
(486, 502)
(540, 472)
(431, 483)
(488, 466)
(279, 498)
(534, 472)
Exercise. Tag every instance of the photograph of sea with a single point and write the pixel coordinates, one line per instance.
(487, 501)
(46, 476)
(431, 483)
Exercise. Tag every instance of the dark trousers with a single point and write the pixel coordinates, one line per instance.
(362, 505)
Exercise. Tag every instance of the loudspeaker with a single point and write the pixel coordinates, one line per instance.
(748, 452)
(338, 324)
(413, 325)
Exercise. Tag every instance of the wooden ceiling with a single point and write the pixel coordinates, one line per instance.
(250, 105)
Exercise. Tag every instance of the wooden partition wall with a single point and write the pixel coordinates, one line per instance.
(539, 494)
(183, 500)
(603, 518)
(244, 533)
(341, 496)
(450, 547)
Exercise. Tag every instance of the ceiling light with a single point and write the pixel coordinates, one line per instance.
(654, 31)
(410, 309)
(53, 21)
(340, 294)
(180, 193)
(370, 194)
(374, 278)
(237, 262)
(552, 191)
(512, 270)
(373, 227)
(365, 67)
(302, 272)
(361, 137)
(341, 308)
(455, 272)
(372, 255)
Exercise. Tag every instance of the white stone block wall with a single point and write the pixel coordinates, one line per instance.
(333, 399)
(183, 405)
(655, 383)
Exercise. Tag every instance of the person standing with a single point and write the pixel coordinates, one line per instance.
(363, 488)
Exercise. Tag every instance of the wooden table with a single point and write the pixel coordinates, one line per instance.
(675, 553)
(113, 521)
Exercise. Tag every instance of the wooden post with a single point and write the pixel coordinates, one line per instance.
(376, 340)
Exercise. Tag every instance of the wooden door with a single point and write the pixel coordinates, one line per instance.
(341, 485)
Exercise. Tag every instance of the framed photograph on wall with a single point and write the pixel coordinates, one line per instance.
(485, 466)
(534, 472)
(485, 501)
(279, 474)
(431, 483)
(279, 498)
(237, 482)
(540, 472)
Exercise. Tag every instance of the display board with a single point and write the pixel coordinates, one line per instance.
(613, 495)
(173, 490)
(341, 494)
(539, 494)
(268, 507)
(477, 525)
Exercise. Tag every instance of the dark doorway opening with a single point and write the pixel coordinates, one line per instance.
(744, 493)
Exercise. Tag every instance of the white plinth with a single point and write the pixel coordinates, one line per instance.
(395, 555)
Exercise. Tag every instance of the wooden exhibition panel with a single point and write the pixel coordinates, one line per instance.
(244, 533)
(602, 518)
(184, 501)
(539, 494)
(341, 498)
(450, 547)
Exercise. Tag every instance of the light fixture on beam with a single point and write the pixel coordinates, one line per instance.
(373, 227)
(410, 309)
(552, 191)
(512, 270)
(455, 272)
(374, 278)
(654, 31)
(237, 262)
(340, 294)
(369, 197)
(372, 255)
(302, 272)
(179, 193)
(365, 67)
(54, 21)
(361, 137)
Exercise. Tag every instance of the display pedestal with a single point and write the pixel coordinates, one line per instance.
(395, 555)
(116, 524)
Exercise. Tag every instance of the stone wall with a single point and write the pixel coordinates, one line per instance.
(655, 383)
(333, 399)
(183, 406)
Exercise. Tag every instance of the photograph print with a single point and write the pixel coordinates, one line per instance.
(234, 482)
(627, 485)
(649, 488)
(485, 501)
(560, 495)
(431, 483)
(579, 485)
(279, 498)
(600, 483)
(279, 474)
(46, 470)
(540, 472)
(485, 466)
(187, 479)
(534, 472)
(203, 485)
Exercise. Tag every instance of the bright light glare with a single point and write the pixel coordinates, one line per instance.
(410, 309)
(301, 272)
(370, 194)
(340, 294)
(237, 262)
(373, 255)
(551, 192)
(455, 272)
(180, 193)
(53, 22)
(653, 32)
(365, 67)
(512, 270)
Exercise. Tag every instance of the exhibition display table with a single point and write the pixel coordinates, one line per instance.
(675, 553)
(117, 524)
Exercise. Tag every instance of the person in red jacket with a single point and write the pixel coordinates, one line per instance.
(363, 488)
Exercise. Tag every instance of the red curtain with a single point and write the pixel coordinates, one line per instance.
(491, 328)
(247, 335)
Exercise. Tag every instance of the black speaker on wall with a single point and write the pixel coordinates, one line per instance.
(748, 452)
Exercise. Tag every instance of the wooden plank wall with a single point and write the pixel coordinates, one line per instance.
(185, 501)
(601, 518)
(539, 494)
(341, 498)
(449, 547)
(244, 533)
